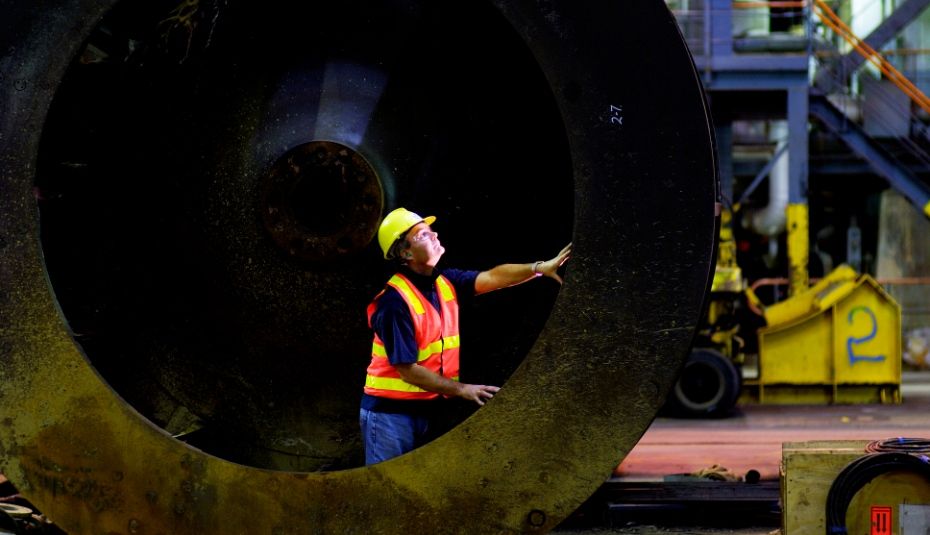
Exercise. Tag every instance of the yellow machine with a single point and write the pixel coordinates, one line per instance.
(837, 341)
(710, 381)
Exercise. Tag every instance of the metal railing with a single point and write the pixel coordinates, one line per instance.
(833, 79)
(750, 19)
(835, 23)
(823, 33)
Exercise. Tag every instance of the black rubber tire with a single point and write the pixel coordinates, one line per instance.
(708, 386)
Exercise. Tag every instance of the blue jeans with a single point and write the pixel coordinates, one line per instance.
(388, 435)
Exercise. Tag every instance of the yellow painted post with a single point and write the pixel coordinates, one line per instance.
(727, 274)
(726, 249)
(798, 248)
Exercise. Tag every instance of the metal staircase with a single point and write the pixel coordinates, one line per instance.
(894, 166)
(846, 64)
(900, 154)
(891, 169)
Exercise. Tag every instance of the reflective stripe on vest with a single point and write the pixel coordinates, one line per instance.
(396, 384)
(437, 340)
(448, 342)
(400, 284)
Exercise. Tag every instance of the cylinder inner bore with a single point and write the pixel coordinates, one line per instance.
(208, 206)
(321, 199)
(148, 183)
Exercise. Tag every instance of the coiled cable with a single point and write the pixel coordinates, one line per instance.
(900, 444)
(858, 473)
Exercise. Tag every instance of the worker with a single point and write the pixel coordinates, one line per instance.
(415, 353)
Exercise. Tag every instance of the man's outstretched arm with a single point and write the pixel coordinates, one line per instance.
(506, 275)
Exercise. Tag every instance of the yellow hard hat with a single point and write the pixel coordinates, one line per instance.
(396, 224)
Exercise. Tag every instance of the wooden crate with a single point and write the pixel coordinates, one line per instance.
(808, 469)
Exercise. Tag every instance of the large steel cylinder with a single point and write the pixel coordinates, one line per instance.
(190, 195)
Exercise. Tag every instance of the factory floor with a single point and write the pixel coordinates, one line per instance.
(749, 440)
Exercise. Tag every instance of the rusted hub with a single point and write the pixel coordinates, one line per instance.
(321, 200)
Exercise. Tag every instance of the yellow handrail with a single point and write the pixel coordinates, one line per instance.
(835, 23)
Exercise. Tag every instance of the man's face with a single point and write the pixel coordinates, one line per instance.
(425, 248)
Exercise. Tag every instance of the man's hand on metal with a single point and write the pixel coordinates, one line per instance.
(478, 393)
(549, 268)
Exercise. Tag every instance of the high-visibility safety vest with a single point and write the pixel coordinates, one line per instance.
(437, 337)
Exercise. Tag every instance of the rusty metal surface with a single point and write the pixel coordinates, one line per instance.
(341, 219)
(643, 230)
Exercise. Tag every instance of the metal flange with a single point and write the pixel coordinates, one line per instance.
(643, 229)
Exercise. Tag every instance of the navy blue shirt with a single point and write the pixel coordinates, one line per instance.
(392, 323)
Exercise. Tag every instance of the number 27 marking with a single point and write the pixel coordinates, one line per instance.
(616, 115)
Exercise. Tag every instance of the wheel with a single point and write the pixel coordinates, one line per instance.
(177, 252)
(709, 385)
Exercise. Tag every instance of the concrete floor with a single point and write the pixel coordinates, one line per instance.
(658, 530)
(751, 439)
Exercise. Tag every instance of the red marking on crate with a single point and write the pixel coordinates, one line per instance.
(881, 520)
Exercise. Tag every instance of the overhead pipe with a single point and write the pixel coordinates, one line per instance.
(770, 219)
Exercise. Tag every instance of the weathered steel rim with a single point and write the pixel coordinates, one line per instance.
(521, 464)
